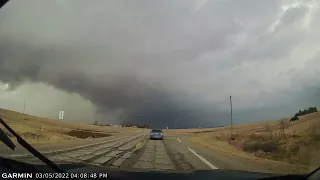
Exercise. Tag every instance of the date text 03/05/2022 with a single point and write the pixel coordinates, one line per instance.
(54, 175)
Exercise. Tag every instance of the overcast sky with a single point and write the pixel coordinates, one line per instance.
(165, 63)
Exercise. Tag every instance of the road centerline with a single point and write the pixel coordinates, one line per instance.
(203, 159)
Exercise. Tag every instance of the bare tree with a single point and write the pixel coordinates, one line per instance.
(268, 129)
(314, 131)
(283, 125)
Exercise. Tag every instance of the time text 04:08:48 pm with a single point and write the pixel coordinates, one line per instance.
(68, 175)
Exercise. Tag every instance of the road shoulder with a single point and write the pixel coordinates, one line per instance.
(230, 158)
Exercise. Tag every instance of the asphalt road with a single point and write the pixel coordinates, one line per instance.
(135, 151)
(138, 152)
(5, 151)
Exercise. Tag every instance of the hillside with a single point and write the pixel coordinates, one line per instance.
(37, 130)
(294, 142)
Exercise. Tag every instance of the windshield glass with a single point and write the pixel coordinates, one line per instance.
(156, 130)
(232, 85)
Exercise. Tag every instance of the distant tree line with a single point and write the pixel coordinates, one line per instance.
(136, 125)
(97, 123)
(304, 112)
(307, 111)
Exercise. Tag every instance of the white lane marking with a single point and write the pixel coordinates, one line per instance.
(179, 140)
(203, 159)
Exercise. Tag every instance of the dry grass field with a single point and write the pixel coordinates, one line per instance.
(280, 141)
(296, 142)
(37, 130)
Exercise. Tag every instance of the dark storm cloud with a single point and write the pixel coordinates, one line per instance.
(140, 101)
(294, 14)
(163, 63)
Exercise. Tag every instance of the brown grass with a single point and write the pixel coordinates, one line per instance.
(37, 130)
(295, 142)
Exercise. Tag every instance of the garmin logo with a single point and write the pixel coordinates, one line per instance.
(16, 175)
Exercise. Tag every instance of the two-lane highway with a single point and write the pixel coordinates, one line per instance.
(138, 152)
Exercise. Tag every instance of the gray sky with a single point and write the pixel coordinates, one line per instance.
(160, 62)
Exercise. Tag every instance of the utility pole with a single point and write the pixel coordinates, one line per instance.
(231, 117)
(24, 104)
